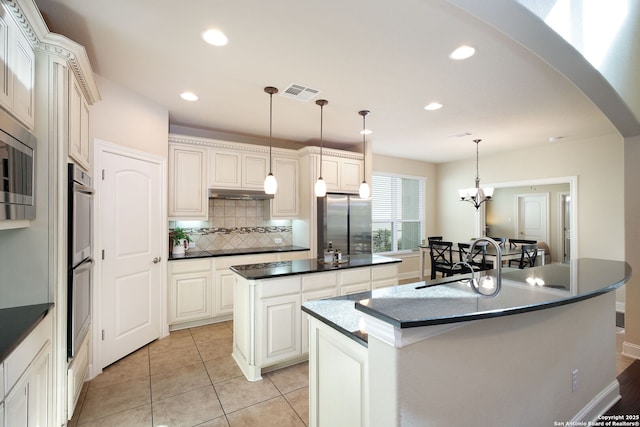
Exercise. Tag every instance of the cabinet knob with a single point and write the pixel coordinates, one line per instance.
(156, 260)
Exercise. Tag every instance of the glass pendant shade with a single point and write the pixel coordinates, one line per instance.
(364, 192)
(270, 184)
(320, 188)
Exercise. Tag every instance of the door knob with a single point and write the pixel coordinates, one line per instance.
(156, 260)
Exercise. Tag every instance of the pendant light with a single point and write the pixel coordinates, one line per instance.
(364, 191)
(321, 187)
(270, 183)
(476, 195)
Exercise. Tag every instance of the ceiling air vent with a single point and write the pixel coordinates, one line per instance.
(299, 92)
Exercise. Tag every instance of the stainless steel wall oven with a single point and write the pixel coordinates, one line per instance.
(80, 263)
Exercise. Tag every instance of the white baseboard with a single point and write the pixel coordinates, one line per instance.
(631, 350)
(598, 405)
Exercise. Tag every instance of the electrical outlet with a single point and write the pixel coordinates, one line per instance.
(574, 380)
(192, 245)
(278, 240)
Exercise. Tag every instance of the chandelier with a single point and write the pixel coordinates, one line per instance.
(476, 195)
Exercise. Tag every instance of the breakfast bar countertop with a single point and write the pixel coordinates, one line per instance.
(305, 266)
(448, 300)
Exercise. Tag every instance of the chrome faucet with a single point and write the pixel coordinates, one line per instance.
(476, 285)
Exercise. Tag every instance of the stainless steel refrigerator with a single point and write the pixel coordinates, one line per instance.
(345, 221)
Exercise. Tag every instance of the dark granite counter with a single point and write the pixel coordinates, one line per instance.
(16, 323)
(448, 300)
(233, 252)
(306, 266)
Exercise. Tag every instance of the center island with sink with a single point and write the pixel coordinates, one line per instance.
(541, 351)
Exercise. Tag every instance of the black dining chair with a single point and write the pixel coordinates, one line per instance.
(441, 259)
(479, 257)
(528, 256)
(500, 241)
(514, 243)
(433, 238)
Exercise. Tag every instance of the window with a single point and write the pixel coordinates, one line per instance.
(397, 212)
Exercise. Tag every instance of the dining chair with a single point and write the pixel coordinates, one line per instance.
(441, 259)
(433, 238)
(479, 258)
(514, 243)
(500, 240)
(528, 256)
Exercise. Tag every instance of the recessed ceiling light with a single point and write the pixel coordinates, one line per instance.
(366, 132)
(463, 52)
(189, 96)
(433, 106)
(215, 37)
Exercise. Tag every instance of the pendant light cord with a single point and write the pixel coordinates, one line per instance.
(321, 103)
(270, 126)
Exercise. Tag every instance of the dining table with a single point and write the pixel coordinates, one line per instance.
(508, 253)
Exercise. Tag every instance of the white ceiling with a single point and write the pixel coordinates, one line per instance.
(388, 57)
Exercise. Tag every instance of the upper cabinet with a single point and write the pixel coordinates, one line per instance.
(17, 71)
(237, 169)
(79, 144)
(187, 185)
(285, 203)
(342, 171)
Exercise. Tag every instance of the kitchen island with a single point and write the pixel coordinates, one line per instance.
(436, 353)
(269, 328)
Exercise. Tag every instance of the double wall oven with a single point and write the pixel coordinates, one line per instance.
(79, 261)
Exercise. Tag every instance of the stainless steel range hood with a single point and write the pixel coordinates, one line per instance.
(239, 194)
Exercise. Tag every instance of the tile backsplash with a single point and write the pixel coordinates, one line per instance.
(234, 224)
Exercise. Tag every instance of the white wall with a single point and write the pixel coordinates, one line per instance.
(130, 120)
(598, 164)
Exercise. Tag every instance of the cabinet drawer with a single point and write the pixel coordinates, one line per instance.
(356, 275)
(179, 267)
(319, 281)
(275, 287)
(18, 361)
(384, 272)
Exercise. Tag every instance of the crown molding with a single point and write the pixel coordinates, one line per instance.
(229, 145)
(30, 21)
(313, 150)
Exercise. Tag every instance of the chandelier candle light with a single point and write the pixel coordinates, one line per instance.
(364, 191)
(476, 196)
(321, 187)
(270, 182)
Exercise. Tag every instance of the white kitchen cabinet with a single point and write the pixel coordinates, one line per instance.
(28, 376)
(355, 280)
(79, 144)
(285, 203)
(17, 71)
(237, 169)
(384, 276)
(188, 199)
(190, 290)
(350, 175)
(316, 286)
(342, 171)
(279, 323)
(224, 292)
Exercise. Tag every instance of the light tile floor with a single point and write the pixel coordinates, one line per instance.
(190, 379)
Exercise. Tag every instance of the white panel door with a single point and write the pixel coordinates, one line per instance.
(130, 210)
(533, 214)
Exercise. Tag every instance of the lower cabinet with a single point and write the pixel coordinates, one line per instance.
(190, 290)
(269, 327)
(28, 376)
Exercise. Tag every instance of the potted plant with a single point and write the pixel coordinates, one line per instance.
(180, 241)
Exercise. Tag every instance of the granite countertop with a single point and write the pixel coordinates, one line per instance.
(305, 266)
(239, 251)
(447, 300)
(18, 322)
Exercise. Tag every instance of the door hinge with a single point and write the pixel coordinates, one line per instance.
(103, 254)
(103, 335)
(103, 174)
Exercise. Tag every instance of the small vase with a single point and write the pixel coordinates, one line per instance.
(179, 248)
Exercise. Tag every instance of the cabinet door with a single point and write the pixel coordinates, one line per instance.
(330, 173)
(310, 296)
(355, 288)
(78, 126)
(280, 318)
(190, 297)
(255, 168)
(23, 79)
(187, 185)
(39, 396)
(224, 169)
(16, 404)
(350, 175)
(285, 203)
(225, 280)
(6, 79)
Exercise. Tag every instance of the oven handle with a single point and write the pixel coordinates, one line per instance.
(82, 188)
(87, 264)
